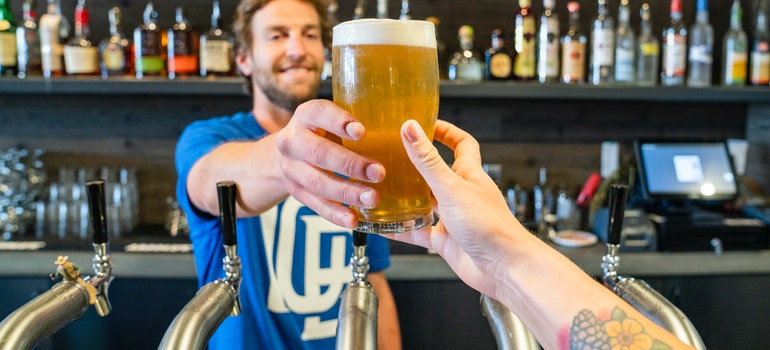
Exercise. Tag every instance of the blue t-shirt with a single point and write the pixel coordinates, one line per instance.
(295, 263)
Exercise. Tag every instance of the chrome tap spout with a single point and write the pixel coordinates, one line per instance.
(66, 301)
(194, 325)
(660, 310)
(638, 293)
(357, 319)
(199, 319)
(43, 316)
(509, 331)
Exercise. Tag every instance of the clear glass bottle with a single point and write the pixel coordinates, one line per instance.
(115, 50)
(216, 45)
(524, 43)
(674, 44)
(52, 25)
(735, 50)
(573, 52)
(760, 48)
(548, 45)
(498, 60)
(81, 57)
(647, 53)
(9, 65)
(149, 58)
(182, 47)
(28, 43)
(382, 9)
(700, 56)
(466, 64)
(625, 47)
(602, 56)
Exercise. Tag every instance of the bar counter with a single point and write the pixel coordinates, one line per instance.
(408, 267)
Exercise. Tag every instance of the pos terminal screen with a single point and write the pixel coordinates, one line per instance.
(686, 170)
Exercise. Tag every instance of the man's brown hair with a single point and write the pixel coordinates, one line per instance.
(247, 9)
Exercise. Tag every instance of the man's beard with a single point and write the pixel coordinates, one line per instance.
(279, 96)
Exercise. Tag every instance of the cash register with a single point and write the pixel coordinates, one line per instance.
(689, 189)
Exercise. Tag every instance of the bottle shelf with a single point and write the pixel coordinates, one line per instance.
(455, 90)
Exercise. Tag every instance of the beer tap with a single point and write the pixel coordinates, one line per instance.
(636, 292)
(357, 325)
(194, 325)
(67, 300)
(509, 331)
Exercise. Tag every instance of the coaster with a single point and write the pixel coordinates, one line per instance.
(574, 238)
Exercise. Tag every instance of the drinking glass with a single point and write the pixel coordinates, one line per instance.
(385, 72)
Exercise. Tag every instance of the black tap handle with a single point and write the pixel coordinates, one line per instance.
(618, 195)
(97, 208)
(226, 191)
(359, 238)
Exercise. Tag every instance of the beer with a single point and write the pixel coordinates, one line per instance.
(384, 73)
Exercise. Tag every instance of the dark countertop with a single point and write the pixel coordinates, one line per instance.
(408, 263)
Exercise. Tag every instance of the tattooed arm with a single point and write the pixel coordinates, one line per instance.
(493, 253)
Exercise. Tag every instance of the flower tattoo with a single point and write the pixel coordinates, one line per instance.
(620, 332)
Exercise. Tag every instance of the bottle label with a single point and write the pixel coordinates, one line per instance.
(701, 54)
(760, 67)
(650, 49)
(735, 67)
(624, 64)
(500, 65)
(150, 43)
(548, 50)
(602, 46)
(150, 64)
(674, 55)
(471, 71)
(183, 64)
(573, 61)
(81, 60)
(7, 49)
(114, 57)
(215, 55)
(50, 47)
(524, 64)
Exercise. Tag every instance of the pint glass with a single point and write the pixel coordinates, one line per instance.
(385, 72)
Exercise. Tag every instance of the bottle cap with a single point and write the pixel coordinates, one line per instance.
(573, 6)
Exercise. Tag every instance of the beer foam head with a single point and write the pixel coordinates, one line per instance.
(372, 31)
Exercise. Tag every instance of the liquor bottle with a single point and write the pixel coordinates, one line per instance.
(331, 16)
(148, 47)
(735, 50)
(548, 45)
(440, 47)
(625, 47)
(524, 43)
(602, 46)
(8, 56)
(700, 56)
(28, 43)
(573, 52)
(80, 56)
(466, 64)
(115, 50)
(216, 48)
(760, 48)
(542, 198)
(674, 48)
(499, 62)
(382, 9)
(182, 47)
(52, 26)
(647, 59)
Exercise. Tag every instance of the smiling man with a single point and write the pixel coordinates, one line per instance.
(295, 263)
